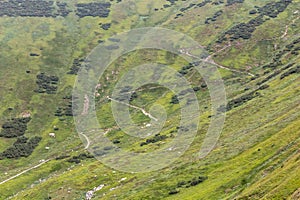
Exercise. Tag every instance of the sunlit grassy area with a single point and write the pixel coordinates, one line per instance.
(257, 154)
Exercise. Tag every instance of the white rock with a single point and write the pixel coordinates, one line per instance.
(123, 179)
(99, 187)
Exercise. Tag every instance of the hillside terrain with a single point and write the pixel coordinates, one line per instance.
(45, 51)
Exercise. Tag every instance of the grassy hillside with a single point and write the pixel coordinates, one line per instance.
(254, 44)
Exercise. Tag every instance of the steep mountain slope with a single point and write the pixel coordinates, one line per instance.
(255, 46)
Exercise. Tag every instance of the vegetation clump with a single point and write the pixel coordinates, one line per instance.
(32, 8)
(242, 30)
(291, 71)
(133, 96)
(106, 26)
(154, 139)
(245, 30)
(172, 1)
(174, 100)
(62, 11)
(214, 17)
(23, 147)
(76, 66)
(93, 9)
(186, 184)
(62, 157)
(196, 181)
(272, 9)
(292, 47)
(79, 158)
(185, 69)
(172, 192)
(188, 7)
(219, 2)
(203, 3)
(241, 100)
(34, 54)
(46, 84)
(14, 127)
(66, 108)
(275, 73)
(231, 2)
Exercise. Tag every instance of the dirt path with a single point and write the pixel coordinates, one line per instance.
(138, 108)
(34, 167)
(87, 140)
(233, 70)
(211, 61)
(287, 27)
(23, 172)
(286, 32)
(210, 56)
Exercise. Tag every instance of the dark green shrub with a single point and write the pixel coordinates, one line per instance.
(21, 148)
(231, 2)
(14, 127)
(174, 100)
(172, 192)
(46, 84)
(93, 9)
(154, 139)
(291, 71)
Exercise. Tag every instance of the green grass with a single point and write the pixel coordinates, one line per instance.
(256, 156)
